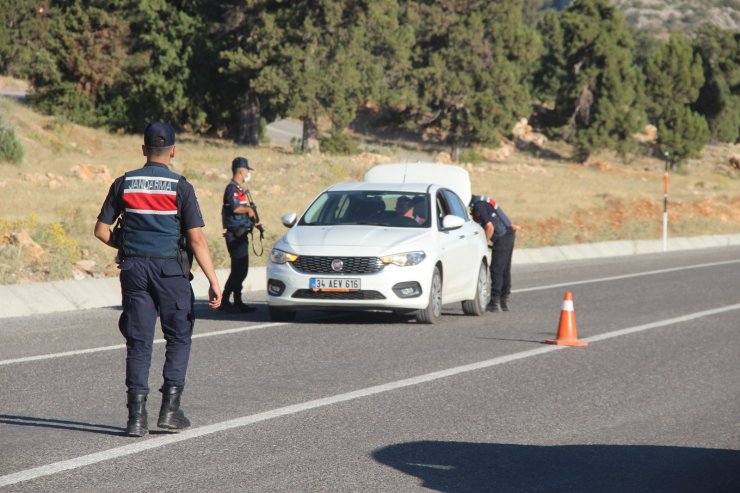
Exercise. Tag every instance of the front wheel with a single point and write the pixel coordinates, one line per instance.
(433, 311)
(477, 306)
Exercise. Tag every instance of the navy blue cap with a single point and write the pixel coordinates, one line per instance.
(159, 134)
(240, 162)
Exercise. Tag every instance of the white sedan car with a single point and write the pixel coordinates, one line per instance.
(401, 240)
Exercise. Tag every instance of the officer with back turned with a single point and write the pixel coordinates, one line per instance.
(502, 233)
(238, 217)
(161, 224)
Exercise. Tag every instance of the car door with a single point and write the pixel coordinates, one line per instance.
(469, 235)
(453, 248)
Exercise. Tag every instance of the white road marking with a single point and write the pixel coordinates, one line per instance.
(123, 346)
(624, 276)
(152, 443)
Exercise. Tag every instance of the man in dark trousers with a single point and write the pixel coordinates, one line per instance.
(499, 229)
(160, 227)
(238, 218)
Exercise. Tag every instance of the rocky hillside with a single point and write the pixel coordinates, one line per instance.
(662, 16)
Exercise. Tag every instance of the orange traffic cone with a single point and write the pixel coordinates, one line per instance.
(567, 329)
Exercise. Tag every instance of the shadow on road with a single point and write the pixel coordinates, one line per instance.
(61, 424)
(489, 467)
(203, 312)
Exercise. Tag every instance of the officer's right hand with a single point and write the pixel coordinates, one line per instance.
(214, 297)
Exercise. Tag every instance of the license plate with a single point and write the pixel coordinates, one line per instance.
(339, 284)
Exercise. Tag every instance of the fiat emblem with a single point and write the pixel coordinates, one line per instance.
(337, 264)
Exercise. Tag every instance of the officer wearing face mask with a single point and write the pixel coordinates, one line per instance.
(238, 218)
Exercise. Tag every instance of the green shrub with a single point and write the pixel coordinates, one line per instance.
(471, 156)
(338, 143)
(11, 150)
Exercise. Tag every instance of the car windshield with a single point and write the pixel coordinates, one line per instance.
(395, 209)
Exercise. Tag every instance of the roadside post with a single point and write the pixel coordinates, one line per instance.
(665, 202)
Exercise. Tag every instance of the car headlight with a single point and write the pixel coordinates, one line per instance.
(281, 257)
(404, 259)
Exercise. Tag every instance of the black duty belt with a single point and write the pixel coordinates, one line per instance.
(149, 257)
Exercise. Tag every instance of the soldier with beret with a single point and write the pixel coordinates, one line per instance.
(238, 218)
(161, 226)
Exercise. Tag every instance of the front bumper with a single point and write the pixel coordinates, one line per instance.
(392, 288)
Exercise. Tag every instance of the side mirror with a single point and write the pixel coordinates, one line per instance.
(289, 219)
(451, 221)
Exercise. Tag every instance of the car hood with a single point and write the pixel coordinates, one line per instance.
(352, 240)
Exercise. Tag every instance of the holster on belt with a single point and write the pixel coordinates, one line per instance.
(185, 257)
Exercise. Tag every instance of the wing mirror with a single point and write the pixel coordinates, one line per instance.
(289, 219)
(451, 221)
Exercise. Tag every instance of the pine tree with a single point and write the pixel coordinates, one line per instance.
(682, 133)
(552, 65)
(80, 58)
(277, 53)
(598, 99)
(674, 76)
(471, 62)
(316, 59)
(719, 99)
(153, 84)
(22, 31)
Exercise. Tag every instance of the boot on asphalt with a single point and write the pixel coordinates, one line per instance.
(494, 305)
(505, 303)
(242, 307)
(137, 417)
(171, 417)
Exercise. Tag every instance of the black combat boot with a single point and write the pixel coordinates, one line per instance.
(505, 302)
(242, 307)
(137, 424)
(494, 305)
(226, 305)
(171, 416)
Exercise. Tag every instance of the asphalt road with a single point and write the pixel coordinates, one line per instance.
(339, 403)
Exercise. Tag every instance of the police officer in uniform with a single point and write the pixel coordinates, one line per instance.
(500, 230)
(238, 217)
(160, 224)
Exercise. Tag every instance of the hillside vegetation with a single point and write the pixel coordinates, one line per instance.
(589, 73)
(50, 201)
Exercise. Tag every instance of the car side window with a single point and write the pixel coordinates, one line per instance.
(456, 205)
(443, 208)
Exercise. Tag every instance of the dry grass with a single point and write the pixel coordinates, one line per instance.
(554, 200)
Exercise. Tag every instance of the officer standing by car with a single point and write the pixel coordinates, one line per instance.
(160, 224)
(238, 218)
(501, 231)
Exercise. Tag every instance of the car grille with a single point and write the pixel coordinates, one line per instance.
(307, 294)
(352, 265)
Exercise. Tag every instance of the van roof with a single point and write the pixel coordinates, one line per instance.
(453, 177)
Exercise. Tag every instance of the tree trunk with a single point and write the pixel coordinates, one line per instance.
(249, 121)
(458, 134)
(310, 141)
(456, 150)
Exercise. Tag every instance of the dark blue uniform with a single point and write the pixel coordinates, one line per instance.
(237, 228)
(486, 210)
(158, 206)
